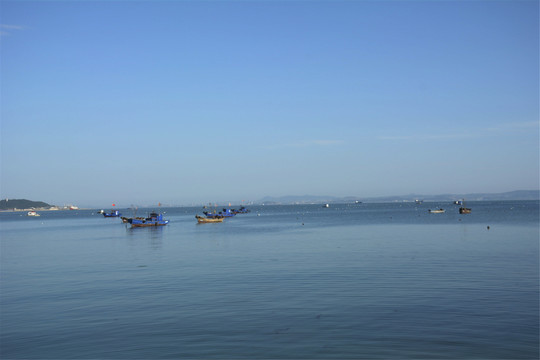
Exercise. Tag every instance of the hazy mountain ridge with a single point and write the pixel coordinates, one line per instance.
(315, 199)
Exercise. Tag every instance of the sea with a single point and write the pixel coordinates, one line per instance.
(351, 281)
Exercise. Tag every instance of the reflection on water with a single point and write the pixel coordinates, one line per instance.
(152, 235)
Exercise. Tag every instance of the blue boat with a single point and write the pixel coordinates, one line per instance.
(154, 219)
(113, 213)
(224, 213)
(228, 213)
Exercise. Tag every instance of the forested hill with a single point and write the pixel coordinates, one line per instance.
(8, 204)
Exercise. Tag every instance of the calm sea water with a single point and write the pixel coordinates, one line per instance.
(357, 281)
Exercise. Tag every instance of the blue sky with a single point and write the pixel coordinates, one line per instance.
(215, 101)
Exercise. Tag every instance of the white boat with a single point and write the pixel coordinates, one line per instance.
(32, 213)
(439, 211)
(326, 205)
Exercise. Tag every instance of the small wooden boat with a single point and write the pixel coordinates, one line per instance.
(463, 209)
(204, 220)
(438, 211)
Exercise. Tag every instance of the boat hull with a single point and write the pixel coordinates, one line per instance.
(209, 221)
(150, 223)
(205, 220)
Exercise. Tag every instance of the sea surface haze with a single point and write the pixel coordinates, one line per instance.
(352, 281)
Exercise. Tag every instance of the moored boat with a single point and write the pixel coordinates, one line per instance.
(113, 213)
(154, 219)
(212, 215)
(228, 213)
(204, 220)
(437, 211)
(463, 209)
(242, 210)
(224, 213)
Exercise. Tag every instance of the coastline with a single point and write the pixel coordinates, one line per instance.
(53, 208)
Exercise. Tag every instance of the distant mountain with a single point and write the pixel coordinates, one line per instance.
(9, 204)
(314, 199)
(511, 195)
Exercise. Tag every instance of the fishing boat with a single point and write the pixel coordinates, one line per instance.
(437, 211)
(212, 215)
(113, 213)
(32, 213)
(242, 210)
(463, 209)
(228, 213)
(224, 213)
(204, 220)
(154, 219)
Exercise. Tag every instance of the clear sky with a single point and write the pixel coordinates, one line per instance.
(139, 102)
